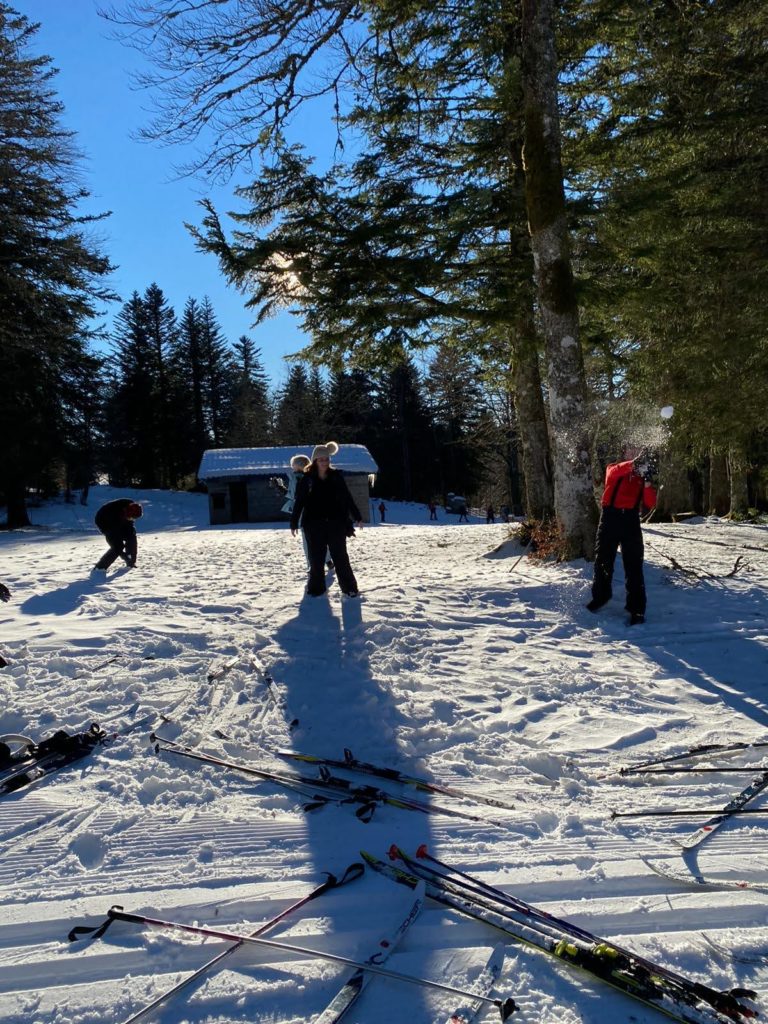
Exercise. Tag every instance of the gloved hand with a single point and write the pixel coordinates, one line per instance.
(647, 466)
(650, 472)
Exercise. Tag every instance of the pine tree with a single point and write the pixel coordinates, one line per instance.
(456, 408)
(131, 431)
(294, 415)
(217, 360)
(403, 446)
(251, 420)
(49, 271)
(350, 412)
(161, 328)
(190, 366)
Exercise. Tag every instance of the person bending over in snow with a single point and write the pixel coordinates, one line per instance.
(628, 485)
(115, 520)
(325, 506)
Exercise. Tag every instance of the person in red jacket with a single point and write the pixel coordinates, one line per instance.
(628, 485)
(115, 520)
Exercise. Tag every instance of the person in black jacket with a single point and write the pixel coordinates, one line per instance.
(325, 507)
(115, 520)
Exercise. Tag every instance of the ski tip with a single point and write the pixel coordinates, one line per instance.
(422, 852)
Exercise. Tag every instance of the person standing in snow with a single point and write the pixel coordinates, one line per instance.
(299, 464)
(115, 519)
(490, 514)
(463, 512)
(628, 485)
(383, 511)
(432, 510)
(325, 506)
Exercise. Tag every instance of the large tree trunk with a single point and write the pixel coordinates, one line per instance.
(738, 468)
(545, 200)
(532, 427)
(719, 498)
(17, 507)
(530, 411)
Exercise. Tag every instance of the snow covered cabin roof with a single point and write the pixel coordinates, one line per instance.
(218, 463)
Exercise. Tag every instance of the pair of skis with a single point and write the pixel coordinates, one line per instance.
(318, 792)
(475, 998)
(36, 761)
(656, 986)
(737, 805)
(351, 763)
(700, 750)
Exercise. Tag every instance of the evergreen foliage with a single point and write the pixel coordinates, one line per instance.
(668, 145)
(421, 239)
(251, 423)
(50, 274)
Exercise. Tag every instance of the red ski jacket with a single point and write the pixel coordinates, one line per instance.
(625, 488)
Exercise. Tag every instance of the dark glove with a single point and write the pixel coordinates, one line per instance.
(651, 474)
(5, 594)
(647, 466)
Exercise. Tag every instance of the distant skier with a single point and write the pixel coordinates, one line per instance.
(490, 514)
(383, 511)
(432, 510)
(463, 512)
(628, 485)
(325, 506)
(115, 520)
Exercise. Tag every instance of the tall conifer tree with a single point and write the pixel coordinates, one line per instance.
(50, 270)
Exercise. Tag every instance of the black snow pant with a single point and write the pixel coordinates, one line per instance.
(330, 535)
(122, 544)
(619, 528)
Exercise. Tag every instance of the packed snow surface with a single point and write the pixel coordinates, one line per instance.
(462, 662)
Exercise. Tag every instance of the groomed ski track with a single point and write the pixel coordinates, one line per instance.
(451, 667)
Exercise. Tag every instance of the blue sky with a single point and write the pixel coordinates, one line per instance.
(145, 236)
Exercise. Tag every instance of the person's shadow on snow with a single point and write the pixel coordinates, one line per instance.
(323, 667)
(65, 599)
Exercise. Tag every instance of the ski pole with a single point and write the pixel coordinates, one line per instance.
(702, 750)
(689, 814)
(504, 1006)
(353, 872)
(722, 770)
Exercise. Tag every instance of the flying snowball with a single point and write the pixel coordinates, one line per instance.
(667, 412)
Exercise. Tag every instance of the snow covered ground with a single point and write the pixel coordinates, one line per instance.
(459, 663)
